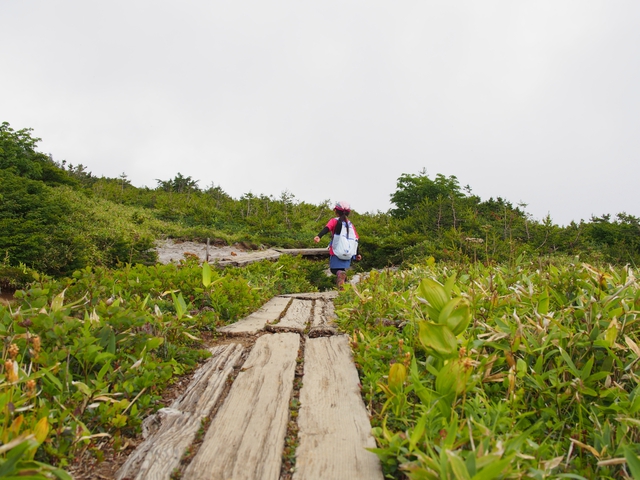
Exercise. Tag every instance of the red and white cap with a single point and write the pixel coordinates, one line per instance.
(342, 206)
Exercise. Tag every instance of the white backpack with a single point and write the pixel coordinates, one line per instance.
(345, 244)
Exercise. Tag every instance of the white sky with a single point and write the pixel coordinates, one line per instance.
(536, 102)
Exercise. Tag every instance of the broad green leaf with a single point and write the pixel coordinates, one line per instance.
(397, 376)
(445, 312)
(41, 430)
(434, 293)
(456, 315)
(433, 312)
(452, 378)
(445, 382)
(438, 339)
(206, 274)
(449, 284)
(153, 343)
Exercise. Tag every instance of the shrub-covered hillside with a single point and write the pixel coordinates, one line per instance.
(57, 217)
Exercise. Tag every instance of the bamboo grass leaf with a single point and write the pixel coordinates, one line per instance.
(493, 469)
(585, 373)
(543, 303)
(457, 466)
(418, 432)
(570, 363)
(633, 462)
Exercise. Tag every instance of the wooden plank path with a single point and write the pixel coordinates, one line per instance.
(296, 318)
(245, 258)
(246, 435)
(162, 451)
(256, 322)
(333, 422)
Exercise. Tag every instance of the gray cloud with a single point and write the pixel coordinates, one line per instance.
(533, 102)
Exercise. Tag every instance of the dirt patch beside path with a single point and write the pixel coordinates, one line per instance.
(172, 251)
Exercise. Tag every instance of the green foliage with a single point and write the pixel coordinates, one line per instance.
(541, 382)
(88, 357)
(18, 155)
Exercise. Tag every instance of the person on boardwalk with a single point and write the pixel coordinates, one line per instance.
(343, 247)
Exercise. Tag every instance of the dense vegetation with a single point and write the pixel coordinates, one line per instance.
(512, 356)
(57, 218)
(522, 371)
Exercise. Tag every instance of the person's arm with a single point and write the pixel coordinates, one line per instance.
(323, 232)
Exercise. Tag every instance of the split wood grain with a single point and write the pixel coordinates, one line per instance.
(296, 318)
(305, 252)
(328, 295)
(323, 322)
(324, 314)
(254, 323)
(246, 437)
(175, 428)
(249, 257)
(334, 428)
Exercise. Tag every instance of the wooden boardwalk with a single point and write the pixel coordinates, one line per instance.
(248, 425)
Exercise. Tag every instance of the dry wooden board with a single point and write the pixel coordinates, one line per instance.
(331, 294)
(323, 314)
(334, 428)
(255, 322)
(160, 453)
(297, 317)
(246, 437)
(247, 258)
(323, 322)
(305, 252)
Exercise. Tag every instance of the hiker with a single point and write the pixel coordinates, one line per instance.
(343, 247)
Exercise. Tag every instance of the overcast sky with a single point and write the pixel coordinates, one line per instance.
(536, 102)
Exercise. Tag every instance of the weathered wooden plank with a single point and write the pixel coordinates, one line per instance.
(323, 314)
(305, 252)
(331, 294)
(323, 322)
(334, 428)
(248, 257)
(246, 437)
(173, 429)
(296, 318)
(255, 322)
